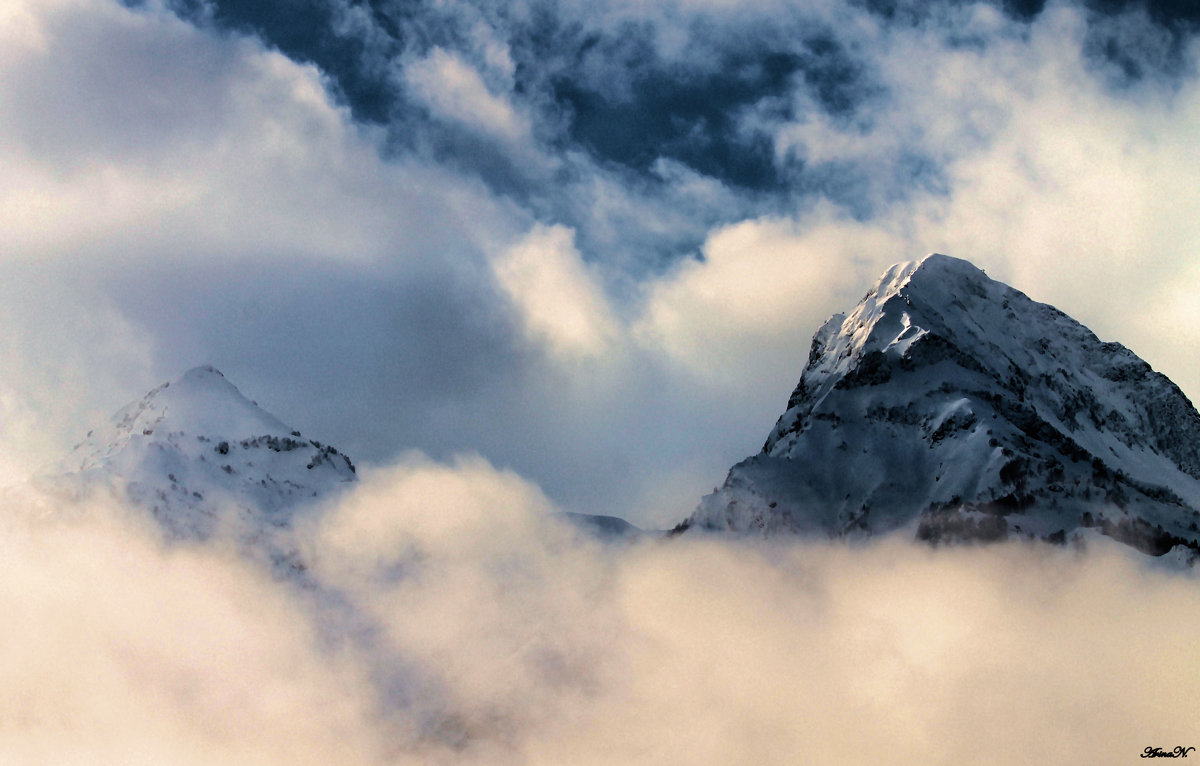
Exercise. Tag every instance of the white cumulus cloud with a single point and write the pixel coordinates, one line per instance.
(561, 301)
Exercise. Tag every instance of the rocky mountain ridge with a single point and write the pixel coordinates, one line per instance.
(954, 405)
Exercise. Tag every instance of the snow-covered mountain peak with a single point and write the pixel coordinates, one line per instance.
(201, 401)
(936, 294)
(946, 392)
(201, 457)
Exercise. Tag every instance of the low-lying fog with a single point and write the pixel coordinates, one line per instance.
(449, 617)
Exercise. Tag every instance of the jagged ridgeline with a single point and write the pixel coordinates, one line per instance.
(953, 405)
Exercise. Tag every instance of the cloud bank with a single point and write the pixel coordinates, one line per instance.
(451, 618)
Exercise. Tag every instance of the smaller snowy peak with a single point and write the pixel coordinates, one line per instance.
(201, 401)
(202, 458)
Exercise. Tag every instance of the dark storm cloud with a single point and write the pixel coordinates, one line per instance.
(605, 91)
(596, 81)
(1132, 47)
(687, 117)
(1173, 13)
(316, 31)
(1166, 12)
(644, 128)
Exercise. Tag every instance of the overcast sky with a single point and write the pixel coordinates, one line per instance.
(589, 241)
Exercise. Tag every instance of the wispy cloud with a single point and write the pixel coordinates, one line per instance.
(455, 91)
